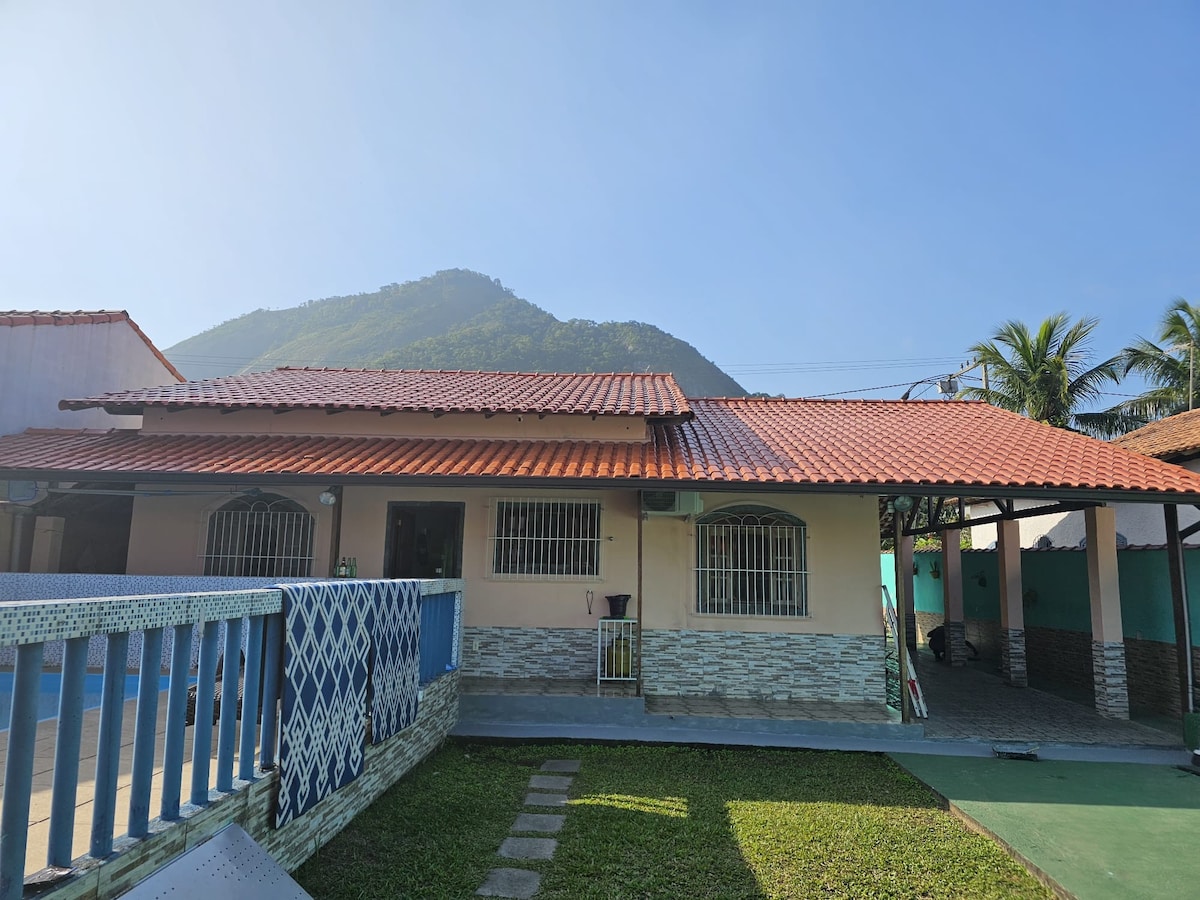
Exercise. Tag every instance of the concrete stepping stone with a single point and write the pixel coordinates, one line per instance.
(561, 765)
(528, 848)
(519, 884)
(536, 799)
(550, 824)
(550, 782)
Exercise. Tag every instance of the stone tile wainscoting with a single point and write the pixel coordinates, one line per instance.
(529, 652)
(832, 667)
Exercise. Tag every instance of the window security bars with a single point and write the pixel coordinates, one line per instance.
(552, 540)
(267, 536)
(751, 561)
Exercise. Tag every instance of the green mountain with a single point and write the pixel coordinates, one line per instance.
(456, 319)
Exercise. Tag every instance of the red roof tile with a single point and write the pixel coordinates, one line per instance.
(15, 317)
(1174, 436)
(414, 390)
(943, 447)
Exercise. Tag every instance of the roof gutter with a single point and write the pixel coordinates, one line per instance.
(890, 489)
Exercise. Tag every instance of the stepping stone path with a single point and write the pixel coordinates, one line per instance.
(549, 790)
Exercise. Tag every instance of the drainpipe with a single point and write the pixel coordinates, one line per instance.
(640, 519)
(335, 531)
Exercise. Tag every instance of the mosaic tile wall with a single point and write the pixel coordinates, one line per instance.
(829, 667)
(18, 586)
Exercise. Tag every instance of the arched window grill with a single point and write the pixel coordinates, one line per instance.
(264, 536)
(751, 561)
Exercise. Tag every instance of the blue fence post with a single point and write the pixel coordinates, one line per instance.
(18, 770)
(206, 685)
(251, 703)
(177, 687)
(230, 675)
(145, 732)
(63, 794)
(108, 749)
(272, 678)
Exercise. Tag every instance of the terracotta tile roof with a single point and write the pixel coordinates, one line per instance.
(413, 390)
(1169, 438)
(816, 444)
(15, 317)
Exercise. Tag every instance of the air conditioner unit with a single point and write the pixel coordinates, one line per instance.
(671, 503)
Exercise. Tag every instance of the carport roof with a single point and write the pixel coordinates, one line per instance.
(927, 447)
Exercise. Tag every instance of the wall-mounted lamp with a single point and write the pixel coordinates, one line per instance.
(916, 569)
(934, 571)
(329, 497)
(980, 578)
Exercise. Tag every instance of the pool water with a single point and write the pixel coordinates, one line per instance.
(51, 683)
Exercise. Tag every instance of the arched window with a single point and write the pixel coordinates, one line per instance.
(266, 536)
(751, 561)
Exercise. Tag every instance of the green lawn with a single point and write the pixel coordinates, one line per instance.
(669, 822)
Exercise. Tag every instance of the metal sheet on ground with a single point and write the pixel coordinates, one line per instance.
(230, 866)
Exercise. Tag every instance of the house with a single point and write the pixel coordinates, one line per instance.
(45, 356)
(746, 530)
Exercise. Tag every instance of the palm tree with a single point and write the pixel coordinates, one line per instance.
(1169, 368)
(1046, 374)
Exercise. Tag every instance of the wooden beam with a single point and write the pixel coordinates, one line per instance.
(1065, 506)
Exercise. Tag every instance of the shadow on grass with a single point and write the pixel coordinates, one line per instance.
(661, 821)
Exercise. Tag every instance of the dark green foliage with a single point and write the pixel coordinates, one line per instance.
(456, 319)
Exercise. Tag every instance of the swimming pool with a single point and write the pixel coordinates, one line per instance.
(51, 684)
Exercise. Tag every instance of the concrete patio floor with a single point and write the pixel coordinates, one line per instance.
(1095, 830)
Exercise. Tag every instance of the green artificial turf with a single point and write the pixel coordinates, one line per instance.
(669, 822)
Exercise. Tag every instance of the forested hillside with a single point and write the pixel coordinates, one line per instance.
(455, 319)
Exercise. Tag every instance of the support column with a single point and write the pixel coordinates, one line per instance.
(47, 544)
(1108, 640)
(1012, 610)
(952, 598)
(1179, 604)
(910, 603)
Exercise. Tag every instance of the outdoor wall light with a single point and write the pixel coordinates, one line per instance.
(328, 497)
(934, 571)
(981, 579)
(902, 503)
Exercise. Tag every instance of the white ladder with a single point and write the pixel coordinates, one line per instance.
(914, 687)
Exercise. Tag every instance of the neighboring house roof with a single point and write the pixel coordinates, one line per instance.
(14, 318)
(934, 446)
(413, 390)
(1170, 438)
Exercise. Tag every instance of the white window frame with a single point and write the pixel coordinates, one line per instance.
(551, 539)
(751, 561)
(279, 528)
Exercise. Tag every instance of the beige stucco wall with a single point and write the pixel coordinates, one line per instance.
(843, 561)
(406, 424)
(42, 364)
(843, 556)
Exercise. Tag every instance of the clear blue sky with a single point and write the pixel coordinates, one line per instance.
(803, 190)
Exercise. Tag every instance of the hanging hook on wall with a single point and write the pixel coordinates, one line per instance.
(590, 596)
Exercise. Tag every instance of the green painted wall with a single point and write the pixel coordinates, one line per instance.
(1056, 589)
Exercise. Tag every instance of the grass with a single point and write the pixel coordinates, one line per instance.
(669, 822)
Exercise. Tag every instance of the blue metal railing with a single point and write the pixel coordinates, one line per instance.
(439, 649)
(30, 625)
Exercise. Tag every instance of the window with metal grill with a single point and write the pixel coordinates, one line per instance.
(751, 561)
(554, 540)
(265, 536)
